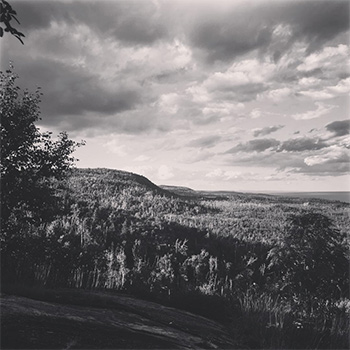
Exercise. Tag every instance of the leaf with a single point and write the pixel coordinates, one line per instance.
(19, 39)
(15, 18)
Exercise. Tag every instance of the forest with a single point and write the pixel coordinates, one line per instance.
(276, 267)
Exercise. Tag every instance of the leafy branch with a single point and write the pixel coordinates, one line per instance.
(7, 14)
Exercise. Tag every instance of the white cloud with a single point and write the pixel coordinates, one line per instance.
(279, 94)
(342, 87)
(321, 110)
(283, 31)
(331, 154)
(255, 113)
(198, 94)
(309, 81)
(317, 95)
(325, 59)
(168, 103)
(241, 73)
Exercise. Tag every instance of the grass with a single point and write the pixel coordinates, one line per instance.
(273, 323)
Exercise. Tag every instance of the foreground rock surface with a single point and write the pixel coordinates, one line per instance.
(99, 320)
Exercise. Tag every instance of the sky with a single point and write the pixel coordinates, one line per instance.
(212, 95)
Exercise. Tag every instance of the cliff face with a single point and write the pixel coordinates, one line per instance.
(110, 321)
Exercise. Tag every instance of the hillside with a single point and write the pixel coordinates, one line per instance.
(121, 179)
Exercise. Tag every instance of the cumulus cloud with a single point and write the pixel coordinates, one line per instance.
(333, 154)
(332, 161)
(255, 113)
(241, 73)
(309, 81)
(279, 94)
(342, 87)
(325, 59)
(267, 130)
(240, 82)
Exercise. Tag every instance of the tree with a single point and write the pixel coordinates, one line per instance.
(311, 260)
(7, 14)
(30, 160)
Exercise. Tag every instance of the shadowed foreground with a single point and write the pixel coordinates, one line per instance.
(114, 321)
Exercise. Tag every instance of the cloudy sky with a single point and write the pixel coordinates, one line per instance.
(225, 94)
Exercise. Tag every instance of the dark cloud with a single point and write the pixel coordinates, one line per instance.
(267, 130)
(69, 90)
(317, 21)
(258, 145)
(138, 25)
(243, 93)
(301, 144)
(205, 142)
(215, 35)
(226, 35)
(37, 14)
(132, 22)
(225, 39)
(76, 99)
(339, 128)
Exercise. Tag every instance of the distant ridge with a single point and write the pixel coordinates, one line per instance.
(181, 191)
(341, 196)
(123, 177)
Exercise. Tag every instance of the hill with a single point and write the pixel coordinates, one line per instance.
(120, 178)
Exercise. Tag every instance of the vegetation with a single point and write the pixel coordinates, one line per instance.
(278, 265)
(30, 160)
(7, 14)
